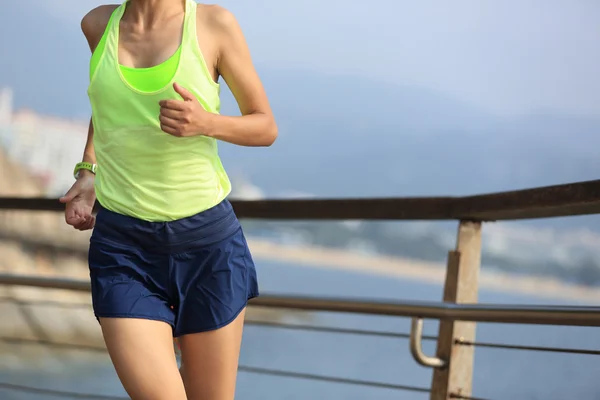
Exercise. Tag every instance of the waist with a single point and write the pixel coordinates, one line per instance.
(155, 177)
(199, 230)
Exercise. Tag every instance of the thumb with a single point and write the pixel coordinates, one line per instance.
(183, 92)
(70, 195)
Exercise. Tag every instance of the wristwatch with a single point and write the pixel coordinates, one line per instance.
(84, 165)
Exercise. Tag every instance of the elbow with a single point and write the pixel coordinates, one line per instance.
(270, 134)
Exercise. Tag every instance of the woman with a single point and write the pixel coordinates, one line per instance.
(167, 255)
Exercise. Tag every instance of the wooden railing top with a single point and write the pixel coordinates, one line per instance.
(551, 201)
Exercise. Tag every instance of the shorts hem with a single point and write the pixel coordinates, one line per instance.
(218, 326)
(135, 316)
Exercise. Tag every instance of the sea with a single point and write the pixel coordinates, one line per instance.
(498, 373)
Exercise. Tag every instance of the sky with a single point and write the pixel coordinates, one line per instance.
(511, 57)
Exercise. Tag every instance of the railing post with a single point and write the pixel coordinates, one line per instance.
(461, 286)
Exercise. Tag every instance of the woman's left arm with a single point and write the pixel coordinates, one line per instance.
(256, 126)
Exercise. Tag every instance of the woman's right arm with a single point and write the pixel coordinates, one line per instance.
(93, 25)
(81, 197)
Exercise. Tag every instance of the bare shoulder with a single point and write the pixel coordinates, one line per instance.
(217, 18)
(94, 23)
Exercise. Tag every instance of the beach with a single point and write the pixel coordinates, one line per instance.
(417, 270)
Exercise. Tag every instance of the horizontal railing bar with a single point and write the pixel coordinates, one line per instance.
(45, 282)
(270, 324)
(288, 374)
(45, 303)
(327, 329)
(528, 348)
(314, 328)
(544, 202)
(326, 378)
(252, 322)
(462, 397)
(57, 393)
(50, 343)
(544, 315)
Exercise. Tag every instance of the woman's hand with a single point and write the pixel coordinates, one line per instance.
(256, 126)
(183, 118)
(80, 201)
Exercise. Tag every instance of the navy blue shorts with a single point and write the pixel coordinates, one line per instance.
(195, 274)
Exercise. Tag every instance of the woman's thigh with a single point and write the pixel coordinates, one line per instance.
(210, 361)
(142, 353)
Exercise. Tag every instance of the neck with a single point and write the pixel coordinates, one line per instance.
(148, 12)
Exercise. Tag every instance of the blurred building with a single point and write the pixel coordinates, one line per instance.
(48, 147)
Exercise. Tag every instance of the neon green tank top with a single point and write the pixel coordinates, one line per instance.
(144, 79)
(142, 171)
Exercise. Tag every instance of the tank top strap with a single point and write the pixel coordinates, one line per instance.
(190, 43)
(112, 39)
(188, 39)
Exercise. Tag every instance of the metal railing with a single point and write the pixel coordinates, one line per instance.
(542, 315)
(452, 364)
(417, 310)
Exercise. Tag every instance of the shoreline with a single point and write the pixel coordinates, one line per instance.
(401, 268)
(418, 270)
